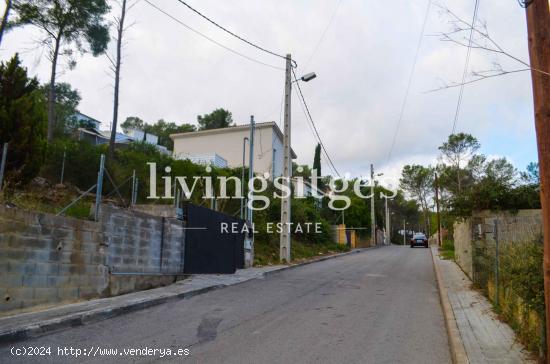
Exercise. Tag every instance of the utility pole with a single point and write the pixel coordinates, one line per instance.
(437, 210)
(372, 217)
(404, 233)
(284, 254)
(242, 211)
(387, 227)
(250, 177)
(538, 26)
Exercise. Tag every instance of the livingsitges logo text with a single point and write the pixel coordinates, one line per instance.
(258, 185)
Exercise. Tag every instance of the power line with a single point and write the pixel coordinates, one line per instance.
(466, 66)
(409, 83)
(313, 132)
(324, 33)
(313, 124)
(233, 34)
(212, 40)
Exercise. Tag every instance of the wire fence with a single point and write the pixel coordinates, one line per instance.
(507, 254)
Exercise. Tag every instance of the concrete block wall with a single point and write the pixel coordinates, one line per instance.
(142, 243)
(157, 210)
(521, 226)
(45, 259)
(525, 225)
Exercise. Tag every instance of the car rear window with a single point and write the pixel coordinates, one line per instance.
(419, 236)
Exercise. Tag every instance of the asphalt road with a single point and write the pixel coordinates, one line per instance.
(378, 306)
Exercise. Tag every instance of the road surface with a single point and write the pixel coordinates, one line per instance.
(378, 306)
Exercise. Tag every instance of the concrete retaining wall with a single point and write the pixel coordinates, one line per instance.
(47, 259)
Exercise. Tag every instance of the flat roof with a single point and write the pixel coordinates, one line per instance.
(230, 129)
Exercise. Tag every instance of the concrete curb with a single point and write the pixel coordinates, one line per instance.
(458, 351)
(103, 313)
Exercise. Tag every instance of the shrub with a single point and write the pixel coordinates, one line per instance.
(22, 121)
(521, 271)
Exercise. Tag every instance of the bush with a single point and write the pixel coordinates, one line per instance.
(521, 271)
(447, 249)
(22, 121)
(81, 162)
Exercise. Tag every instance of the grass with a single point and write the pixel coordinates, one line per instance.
(50, 200)
(267, 253)
(447, 250)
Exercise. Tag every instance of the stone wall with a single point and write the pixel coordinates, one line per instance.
(47, 259)
(463, 245)
(524, 225)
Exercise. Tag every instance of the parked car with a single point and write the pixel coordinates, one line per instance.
(419, 239)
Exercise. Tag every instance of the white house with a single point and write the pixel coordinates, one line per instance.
(90, 132)
(225, 145)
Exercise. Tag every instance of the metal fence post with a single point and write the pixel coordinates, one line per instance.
(132, 201)
(135, 194)
(63, 165)
(99, 187)
(3, 164)
(496, 260)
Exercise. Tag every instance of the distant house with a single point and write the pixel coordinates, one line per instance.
(86, 121)
(306, 188)
(89, 130)
(215, 146)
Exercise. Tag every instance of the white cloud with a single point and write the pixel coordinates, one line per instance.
(363, 65)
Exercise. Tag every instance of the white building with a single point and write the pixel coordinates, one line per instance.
(89, 131)
(227, 144)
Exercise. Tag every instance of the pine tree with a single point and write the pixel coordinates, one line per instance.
(317, 160)
(66, 25)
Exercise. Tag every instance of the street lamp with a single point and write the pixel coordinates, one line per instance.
(308, 77)
(284, 245)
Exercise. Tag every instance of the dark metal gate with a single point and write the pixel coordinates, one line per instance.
(214, 242)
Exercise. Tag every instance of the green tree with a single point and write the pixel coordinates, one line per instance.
(65, 24)
(219, 118)
(418, 181)
(531, 175)
(66, 106)
(164, 129)
(22, 121)
(317, 159)
(161, 128)
(301, 170)
(132, 122)
(457, 149)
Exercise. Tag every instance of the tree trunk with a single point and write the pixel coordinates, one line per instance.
(51, 95)
(117, 80)
(5, 19)
(458, 178)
